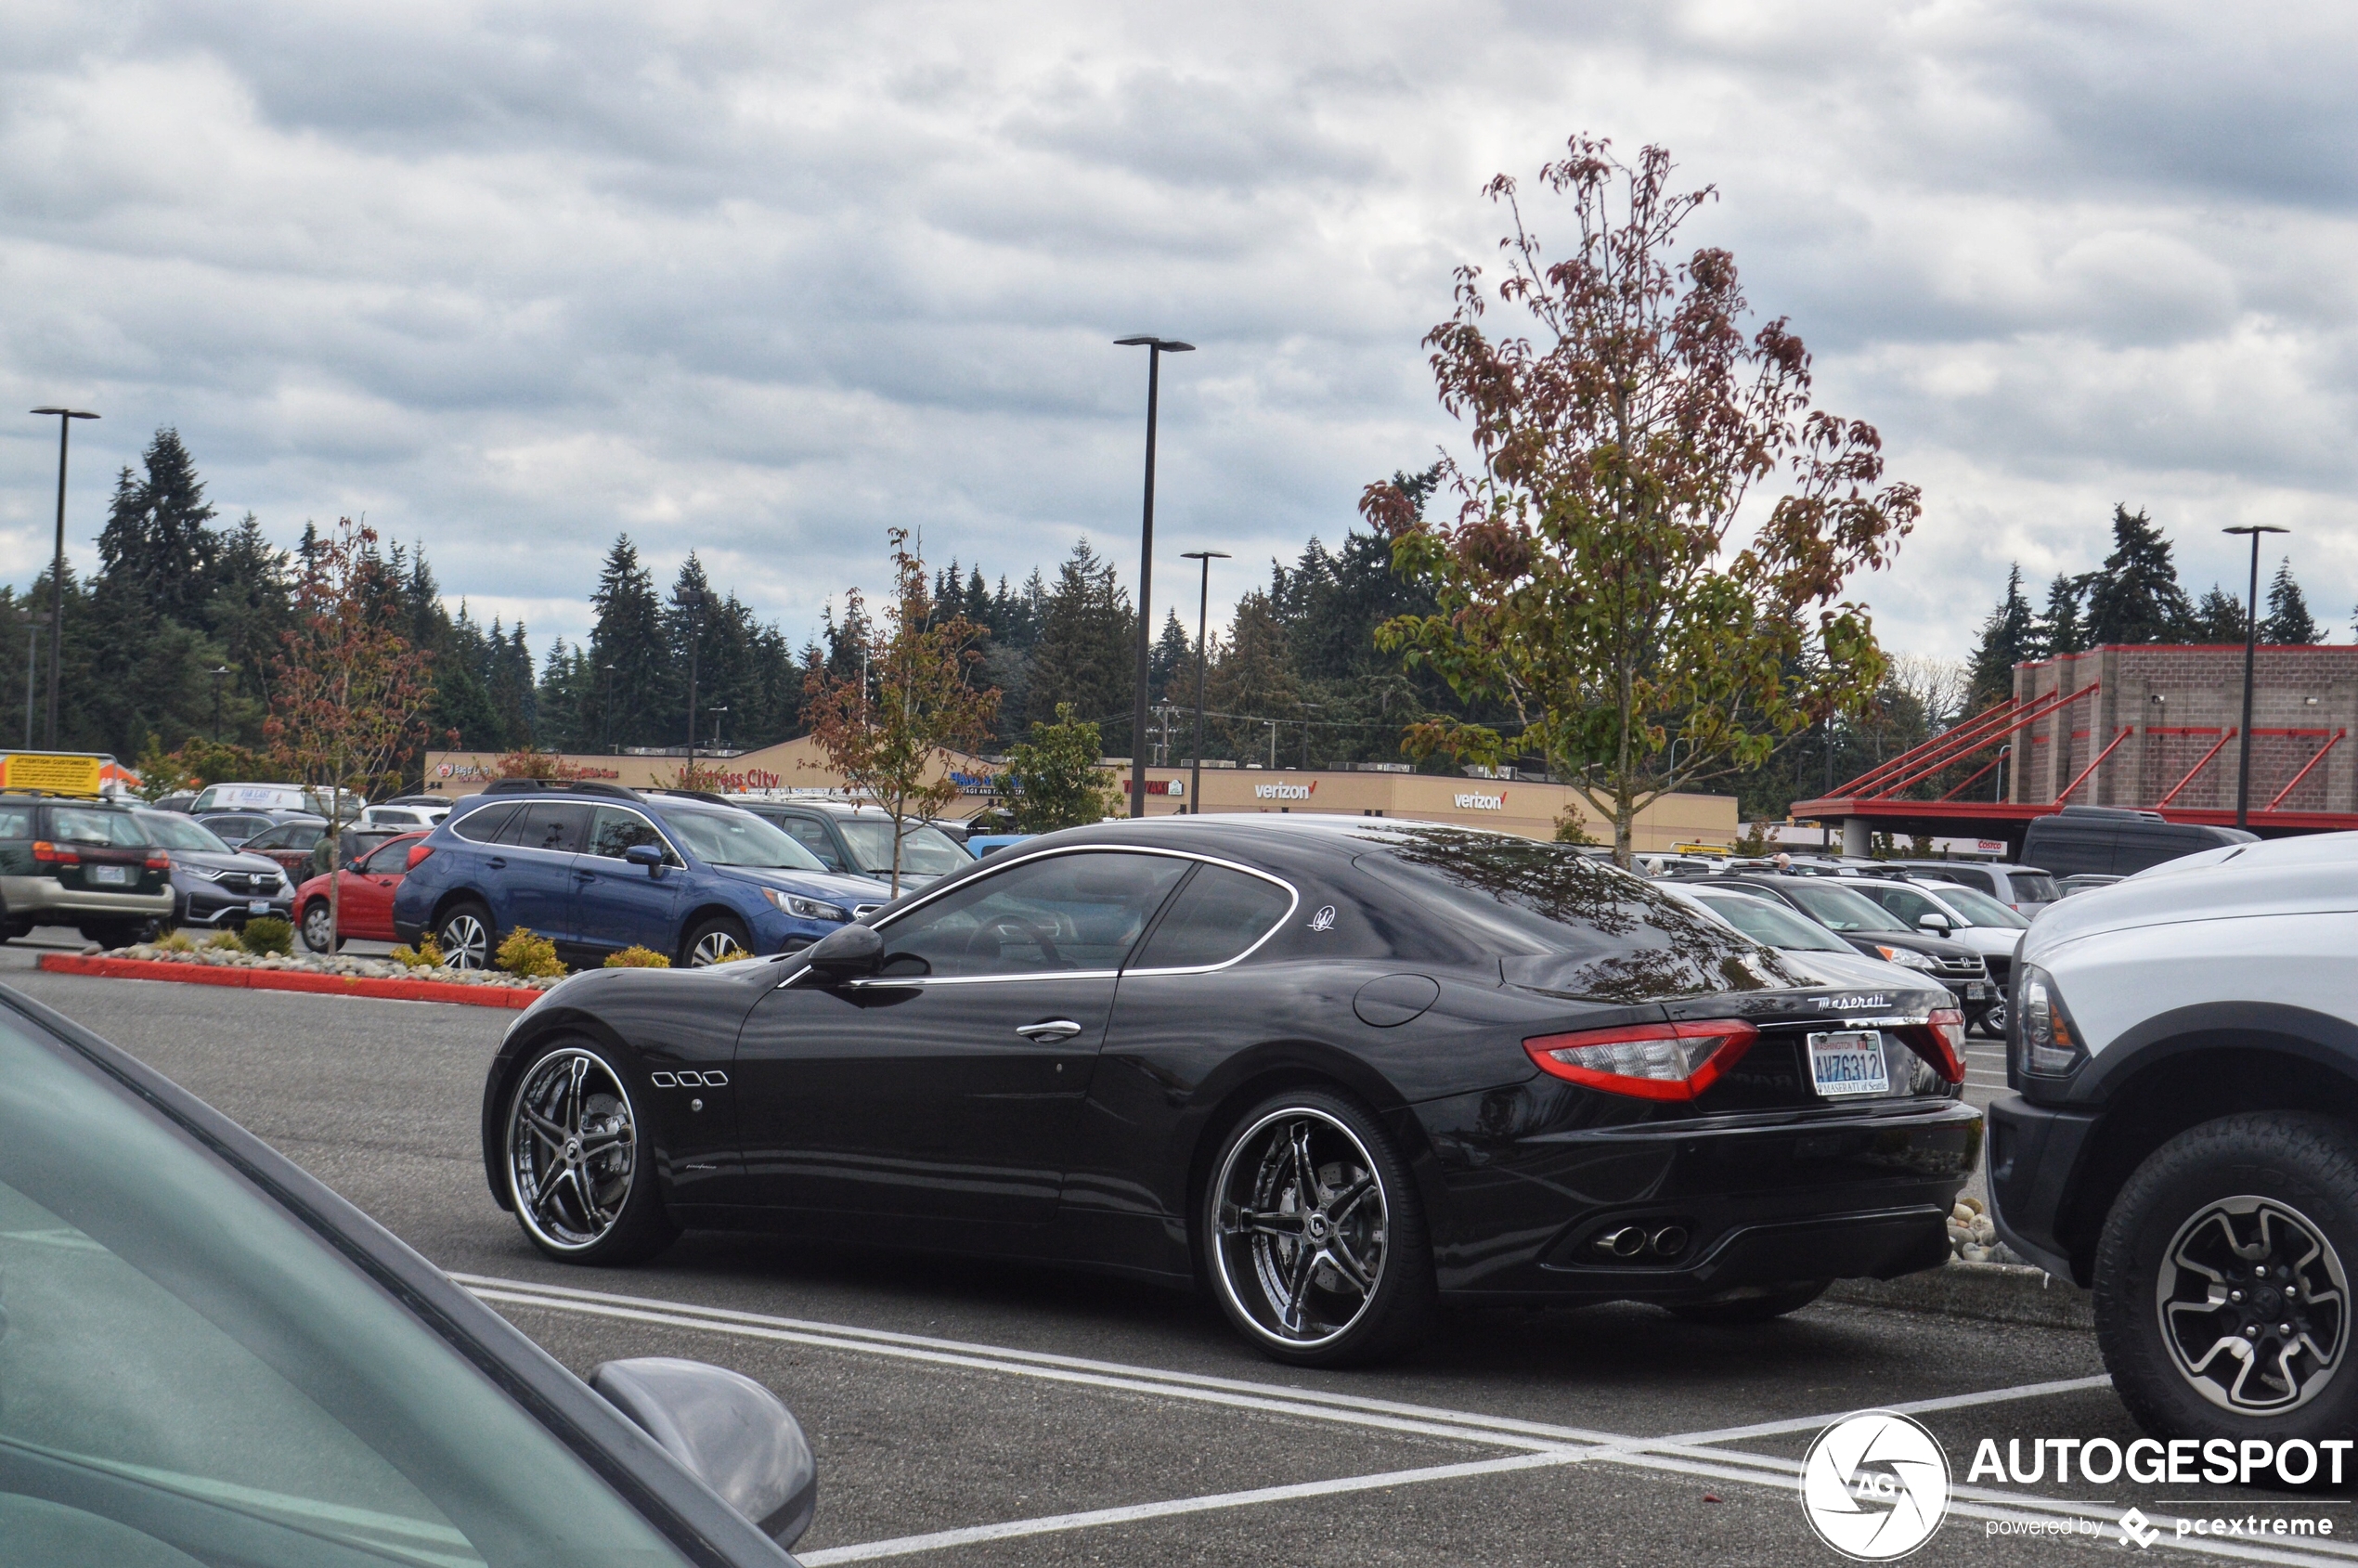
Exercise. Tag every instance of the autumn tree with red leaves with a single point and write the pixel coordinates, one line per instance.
(1613, 577)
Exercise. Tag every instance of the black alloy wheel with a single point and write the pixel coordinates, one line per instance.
(2222, 1297)
(721, 940)
(1313, 1235)
(465, 937)
(580, 1165)
(320, 932)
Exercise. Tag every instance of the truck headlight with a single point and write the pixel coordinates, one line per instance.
(2047, 1043)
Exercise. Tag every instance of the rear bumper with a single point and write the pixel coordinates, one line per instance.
(2034, 1154)
(1760, 1200)
(44, 901)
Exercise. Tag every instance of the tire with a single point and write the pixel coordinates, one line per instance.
(318, 927)
(713, 940)
(466, 936)
(1343, 1278)
(113, 934)
(579, 1160)
(1762, 1306)
(2274, 1191)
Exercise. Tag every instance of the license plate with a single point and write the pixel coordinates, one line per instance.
(118, 876)
(1977, 990)
(259, 906)
(1848, 1062)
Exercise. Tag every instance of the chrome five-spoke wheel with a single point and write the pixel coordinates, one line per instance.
(716, 946)
(465, 941)
(2254, 1305)
(572, 1148)
(1300, 1227)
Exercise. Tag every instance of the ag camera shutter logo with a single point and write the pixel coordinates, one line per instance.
(1876, 1485)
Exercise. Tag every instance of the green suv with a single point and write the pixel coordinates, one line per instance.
(83, 863)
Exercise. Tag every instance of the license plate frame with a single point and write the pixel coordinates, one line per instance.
(1977, 990)
(110, 876)
(1849, 1063)
(258, 906)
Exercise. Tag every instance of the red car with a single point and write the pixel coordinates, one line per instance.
(365, 894)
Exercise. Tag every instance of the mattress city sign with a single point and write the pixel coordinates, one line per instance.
(1483, 802)
(1284, 791)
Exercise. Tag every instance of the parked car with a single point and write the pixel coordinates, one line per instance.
(180, 801)
(598, 868)
(2117, 840)
(239, 828)
(2082, 883)
(1964, 915)
(301, 847)
(83, 863)
(212, 883)
(982, 844)
(407, 810)
(1806, 944)
(2026, 889)
(363, 891)
(284, 799)
(1207, 1047)
(212, 1359)
(1867, 925)
(856, 840)
(2183, 1136)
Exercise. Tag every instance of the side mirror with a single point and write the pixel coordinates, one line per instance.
(854, 949)
(1933, 923)
(728, 1432)
(648, 855)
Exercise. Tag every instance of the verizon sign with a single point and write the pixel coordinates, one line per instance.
(1483, 802)
(1284, 791)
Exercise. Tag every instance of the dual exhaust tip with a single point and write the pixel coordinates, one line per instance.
(1635, 1241)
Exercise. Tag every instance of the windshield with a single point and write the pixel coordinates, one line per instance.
(1839, 909)
(2033, 887)
(927, 851)
(189, 1375)
(1774, 924)
(732, 837)
(1560, 921)
(173, 831)
(1980, 909)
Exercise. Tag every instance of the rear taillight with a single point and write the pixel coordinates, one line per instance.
(1946, 1035)
(418, 852)
(1650, 1061)
(158, 863)
(48, 854)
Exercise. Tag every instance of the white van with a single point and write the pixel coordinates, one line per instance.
(272, 797)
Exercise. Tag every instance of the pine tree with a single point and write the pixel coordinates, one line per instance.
(2219, 618)
(630, 651)
(2136, 597)
(156, 545)
(2009, 637)
(2289, 620)
(1173, 655)
(1087, 650)
(2061, 629)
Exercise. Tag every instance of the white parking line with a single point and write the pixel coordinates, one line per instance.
(1547, 1444)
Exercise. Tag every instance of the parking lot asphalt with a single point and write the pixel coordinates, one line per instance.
(967, 1414)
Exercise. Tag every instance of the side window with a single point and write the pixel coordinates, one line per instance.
(16, 822)
(1980, 879)
(813, 837)
(1217, 916)
(1909, 905)
(391, 860)
(557, 826)
(613, 830)
(481, 825)
(1054, 915)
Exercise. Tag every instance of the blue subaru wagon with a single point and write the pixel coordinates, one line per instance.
(598, 868)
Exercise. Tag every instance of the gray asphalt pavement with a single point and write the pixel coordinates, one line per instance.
(967, 1414)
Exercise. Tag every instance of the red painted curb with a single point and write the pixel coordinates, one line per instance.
(514, 998)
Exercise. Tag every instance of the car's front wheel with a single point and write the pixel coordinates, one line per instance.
(1312, 1234)
(580, 1162)
(722, 940)
(2222, 1293)
(319, 927)
(464, 937)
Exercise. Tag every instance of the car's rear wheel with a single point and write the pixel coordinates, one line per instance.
(580, 1162)
(1760, 1305)
(465, 937)
(721, 940)
(1312, 1234)
(2223, 1296)
(319, 927)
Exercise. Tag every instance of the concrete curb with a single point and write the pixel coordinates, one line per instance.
(514, 998)
(1995, 1292)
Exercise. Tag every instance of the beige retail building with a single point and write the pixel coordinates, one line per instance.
(1514, 804)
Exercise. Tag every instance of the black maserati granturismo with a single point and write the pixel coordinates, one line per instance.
(1334, 1070)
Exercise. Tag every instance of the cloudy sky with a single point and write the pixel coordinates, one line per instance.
(760, 280)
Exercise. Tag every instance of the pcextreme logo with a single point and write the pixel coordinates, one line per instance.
(1284, 791)
(1483, 802)
(1876, 1485)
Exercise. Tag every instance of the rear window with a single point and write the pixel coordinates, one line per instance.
(16, 822)
(80, 824)
(1561, 922)
(2033, 887)
(483, 824)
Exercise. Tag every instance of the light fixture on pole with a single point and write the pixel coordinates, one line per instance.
(1156, 348)
(717, 711)
(57, 572)
(1203, 657)
(2251, 648)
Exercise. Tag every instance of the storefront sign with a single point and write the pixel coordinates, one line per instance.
(1483, 802)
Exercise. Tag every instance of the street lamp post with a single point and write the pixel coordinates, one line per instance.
(1203, 655)
(1156, 348)
(1307, 710)
(33, 621)
(605, 714)
(57, 572)
(219, 673)
(2251, 648)
(2000, 792)
(717, 711)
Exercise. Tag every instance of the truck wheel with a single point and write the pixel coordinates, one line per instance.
(2222, 1293)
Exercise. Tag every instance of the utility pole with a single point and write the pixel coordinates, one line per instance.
(695, 635)
(1156, 348)
(1203, 657)
(57, 572)
(2251, 648)
(33, 621)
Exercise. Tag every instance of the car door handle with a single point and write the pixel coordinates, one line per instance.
(497, 862)
(1055, 1028)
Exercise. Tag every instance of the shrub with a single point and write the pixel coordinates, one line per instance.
(528, 955)
(637, 958)
(223, 940)
(179, 941)
(427, 955)
(268, 933)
